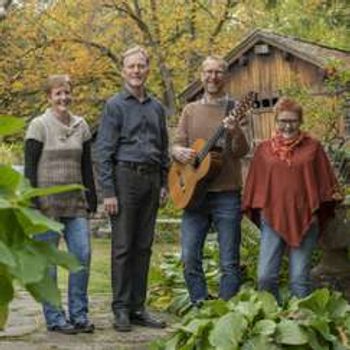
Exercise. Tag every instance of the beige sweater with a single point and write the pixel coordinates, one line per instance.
(60, 162)
(201, 120)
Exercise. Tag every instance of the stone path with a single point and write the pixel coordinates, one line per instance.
(26, 330)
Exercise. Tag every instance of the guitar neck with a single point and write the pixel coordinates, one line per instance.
(238, 111)
(210, 144)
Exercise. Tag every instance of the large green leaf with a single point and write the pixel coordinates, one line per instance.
(338, 307)
(9, 181)
(10, 125)
(45, 290)
(214, 308)
(4, 204)
(196, 326)
(268, 304)
(264, 327)
(4, 311)
(228, 331)
(6, 288)
(58, 257)
(33, 222)
(30, 263)
(11, 231)
(321, 324)
(172, 343)
(317, 301)
(315, 342)
(249, 309)
(6, 256)
(45, 191)
(289, 332)
(260, 342)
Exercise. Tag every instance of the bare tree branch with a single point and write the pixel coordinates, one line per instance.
(152, 40)
(229, 5)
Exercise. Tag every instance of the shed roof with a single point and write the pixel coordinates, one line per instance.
(314, 53)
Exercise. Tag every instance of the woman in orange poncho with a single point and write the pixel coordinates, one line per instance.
(290, 192)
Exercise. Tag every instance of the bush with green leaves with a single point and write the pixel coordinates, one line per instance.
(22, 258)
(253, 320)
(169, 292)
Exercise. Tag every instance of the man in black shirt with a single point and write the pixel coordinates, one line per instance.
(133, 154)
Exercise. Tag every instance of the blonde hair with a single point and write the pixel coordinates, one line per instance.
(134, 50)
(57, 80)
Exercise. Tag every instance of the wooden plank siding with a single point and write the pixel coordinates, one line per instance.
(268, 75)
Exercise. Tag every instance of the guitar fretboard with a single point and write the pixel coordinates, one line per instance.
(210, 144)
(238, 111)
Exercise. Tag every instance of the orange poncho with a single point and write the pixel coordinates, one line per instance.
(288, 193)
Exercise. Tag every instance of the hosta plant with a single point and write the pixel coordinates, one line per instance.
(22, 258)
(253, 320)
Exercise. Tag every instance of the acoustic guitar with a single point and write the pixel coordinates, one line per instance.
(188, 181)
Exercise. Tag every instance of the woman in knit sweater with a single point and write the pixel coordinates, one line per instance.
(57, 152)
(290, 192)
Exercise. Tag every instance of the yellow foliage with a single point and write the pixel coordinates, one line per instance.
(85, 39)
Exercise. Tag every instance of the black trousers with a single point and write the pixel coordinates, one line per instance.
(132, 236)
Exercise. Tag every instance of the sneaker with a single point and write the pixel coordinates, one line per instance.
(86, 327)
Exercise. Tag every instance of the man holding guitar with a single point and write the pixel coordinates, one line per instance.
(218, 204)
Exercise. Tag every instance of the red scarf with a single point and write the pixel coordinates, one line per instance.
(283, 148)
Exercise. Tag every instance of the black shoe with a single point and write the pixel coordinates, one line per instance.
(66, 328)
(86, 327)
(122, 321)
(143, 318)
(198, 304)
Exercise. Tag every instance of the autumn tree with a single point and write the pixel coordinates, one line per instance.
(85, 39)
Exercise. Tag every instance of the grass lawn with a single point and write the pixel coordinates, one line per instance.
(100, 265)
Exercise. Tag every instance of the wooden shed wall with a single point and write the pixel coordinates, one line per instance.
(268, 75)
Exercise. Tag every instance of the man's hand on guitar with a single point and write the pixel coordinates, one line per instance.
(184, 154)
(231, 124)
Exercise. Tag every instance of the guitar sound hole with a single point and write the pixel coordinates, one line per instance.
(195, 163)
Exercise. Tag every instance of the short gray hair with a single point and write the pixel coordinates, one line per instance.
(217, 59)
(134, 50)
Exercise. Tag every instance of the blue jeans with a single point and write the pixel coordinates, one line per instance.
(77, 236)
(223, 211)
(272, 247)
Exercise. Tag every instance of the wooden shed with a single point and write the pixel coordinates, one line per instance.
(268, 63)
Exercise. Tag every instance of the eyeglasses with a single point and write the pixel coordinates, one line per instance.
(218, 73)
(283, 122)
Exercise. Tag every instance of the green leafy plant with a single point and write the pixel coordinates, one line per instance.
(253, 320)
(169, 292)
(21, 257)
